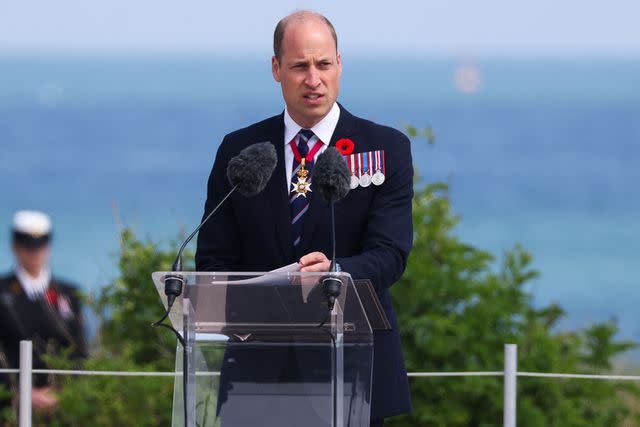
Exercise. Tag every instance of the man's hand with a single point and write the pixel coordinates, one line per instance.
(44, 398)
(315, 262)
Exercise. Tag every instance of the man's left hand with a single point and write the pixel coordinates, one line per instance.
(314, 262)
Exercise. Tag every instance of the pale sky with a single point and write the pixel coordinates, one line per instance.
(579, 27)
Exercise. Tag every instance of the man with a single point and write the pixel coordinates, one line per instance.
(38, 307)
(288, 223)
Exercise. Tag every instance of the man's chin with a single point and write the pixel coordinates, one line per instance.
(315, 112)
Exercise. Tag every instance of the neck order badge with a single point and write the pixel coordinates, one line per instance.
(303, 186)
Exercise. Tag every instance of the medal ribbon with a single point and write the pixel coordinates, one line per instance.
(365, 169)
(309, 158)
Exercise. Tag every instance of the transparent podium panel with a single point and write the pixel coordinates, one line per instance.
(263, 350)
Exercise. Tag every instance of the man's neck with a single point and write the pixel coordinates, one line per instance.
(33, 272)
(323, 129)
(306, 125)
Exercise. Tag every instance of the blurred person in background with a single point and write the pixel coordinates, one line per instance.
(36, 306)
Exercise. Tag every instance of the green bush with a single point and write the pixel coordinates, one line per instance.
(126, 342)
(113, 401)
(456, 313)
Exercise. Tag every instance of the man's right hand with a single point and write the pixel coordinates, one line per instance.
(44, 398)
(315, 262)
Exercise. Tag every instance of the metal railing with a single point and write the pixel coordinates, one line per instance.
(510, 374)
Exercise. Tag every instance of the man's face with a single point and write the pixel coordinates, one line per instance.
(32, 260)
(308, 70)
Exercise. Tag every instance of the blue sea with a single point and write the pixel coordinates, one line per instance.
(546, 153)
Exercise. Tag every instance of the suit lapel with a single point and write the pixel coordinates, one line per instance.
(276, 191)
(318, 208)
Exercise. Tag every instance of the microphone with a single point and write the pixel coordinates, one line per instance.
(248, 172)
(331, 181)
(251, 170)
(331, 175)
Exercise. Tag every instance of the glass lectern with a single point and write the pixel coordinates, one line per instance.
(263, 350)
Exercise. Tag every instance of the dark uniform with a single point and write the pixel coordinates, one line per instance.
(51, 318)
(52, 322)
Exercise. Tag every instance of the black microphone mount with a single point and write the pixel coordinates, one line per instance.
(332, 285)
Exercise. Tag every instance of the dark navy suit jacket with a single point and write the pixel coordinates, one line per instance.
(50, 330)
(373, 228)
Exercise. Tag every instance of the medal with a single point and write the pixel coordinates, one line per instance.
(365, 178)
(354, 183)
(378, 177)
(303, 185)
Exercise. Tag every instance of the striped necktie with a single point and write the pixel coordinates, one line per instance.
(300, 204)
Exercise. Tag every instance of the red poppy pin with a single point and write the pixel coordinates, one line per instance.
(345, 146)
(52, 297)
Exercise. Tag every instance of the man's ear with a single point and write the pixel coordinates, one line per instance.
(339, 62)
(275, 68)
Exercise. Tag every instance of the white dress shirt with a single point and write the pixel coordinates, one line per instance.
(323, 131)
(34, 287)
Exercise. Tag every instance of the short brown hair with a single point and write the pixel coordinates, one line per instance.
(278, 34)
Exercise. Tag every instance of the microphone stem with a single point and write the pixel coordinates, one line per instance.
(177, 265)
(173, 284)
(333, 237)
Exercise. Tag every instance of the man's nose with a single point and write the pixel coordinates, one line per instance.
(313, 77)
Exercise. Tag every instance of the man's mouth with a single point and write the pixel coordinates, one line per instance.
(313, 97)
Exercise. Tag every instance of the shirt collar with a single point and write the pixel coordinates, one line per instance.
(33, 286)
(323, 129)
